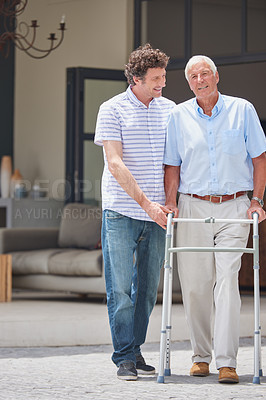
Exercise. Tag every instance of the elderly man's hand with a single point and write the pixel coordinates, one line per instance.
(173, 208)
(255, 207)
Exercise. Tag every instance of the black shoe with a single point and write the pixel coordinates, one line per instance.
(142, 367)
(127, 371)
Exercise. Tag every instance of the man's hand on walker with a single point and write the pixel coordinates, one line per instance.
(258, 209)
(158, 213)
(173, 209)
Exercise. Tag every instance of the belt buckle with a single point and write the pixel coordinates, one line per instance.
(220, 197)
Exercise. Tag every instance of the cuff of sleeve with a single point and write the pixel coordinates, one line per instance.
(169, 161)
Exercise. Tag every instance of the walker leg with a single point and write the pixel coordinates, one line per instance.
(167, 371)
(257, 329)
(256, 378)
(165, 305)
(160, 378)
(259, 351)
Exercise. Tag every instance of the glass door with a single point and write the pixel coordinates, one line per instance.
(87, 89)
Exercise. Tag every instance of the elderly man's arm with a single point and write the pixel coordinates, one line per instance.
(259, 180)
(171, 184)
(126, 180)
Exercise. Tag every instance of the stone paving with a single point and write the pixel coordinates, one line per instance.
(86, 372)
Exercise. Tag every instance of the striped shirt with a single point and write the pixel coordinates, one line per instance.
(142, 131)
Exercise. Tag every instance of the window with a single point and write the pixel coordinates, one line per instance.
(229, 31)
(87, 89)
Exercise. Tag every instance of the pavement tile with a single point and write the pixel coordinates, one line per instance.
(86, 372)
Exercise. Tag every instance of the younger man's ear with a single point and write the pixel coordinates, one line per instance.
(136, 80)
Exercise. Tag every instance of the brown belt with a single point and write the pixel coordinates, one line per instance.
(217, 198)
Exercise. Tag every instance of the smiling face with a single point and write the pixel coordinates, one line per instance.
(150, 86)
(202, 81)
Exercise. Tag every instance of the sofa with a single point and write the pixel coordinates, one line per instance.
(68, 258)
(64, 259)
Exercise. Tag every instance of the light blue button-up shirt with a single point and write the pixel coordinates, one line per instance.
(214, 153)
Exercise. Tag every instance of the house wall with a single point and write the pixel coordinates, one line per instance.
(99, 35)
(242, 80)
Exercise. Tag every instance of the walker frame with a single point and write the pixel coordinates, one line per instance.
(165, 342)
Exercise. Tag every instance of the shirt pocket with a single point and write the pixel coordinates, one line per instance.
(232, 141)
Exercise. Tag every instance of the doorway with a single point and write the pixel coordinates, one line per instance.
(87, 89)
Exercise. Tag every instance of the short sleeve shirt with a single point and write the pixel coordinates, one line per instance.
(214, 153)
(142, 131)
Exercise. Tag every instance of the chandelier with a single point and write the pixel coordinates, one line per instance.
(21, 34)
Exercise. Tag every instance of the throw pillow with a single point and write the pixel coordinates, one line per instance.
(80, 226)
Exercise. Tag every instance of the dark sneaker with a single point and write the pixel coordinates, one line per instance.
(142, 367)
(127, 371)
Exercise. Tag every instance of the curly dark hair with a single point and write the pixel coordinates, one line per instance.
(143, 58)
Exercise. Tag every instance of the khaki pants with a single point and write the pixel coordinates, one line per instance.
(209, 281)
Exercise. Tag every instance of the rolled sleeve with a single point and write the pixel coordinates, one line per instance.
(254, 134)
(108, 125)
(171, 153)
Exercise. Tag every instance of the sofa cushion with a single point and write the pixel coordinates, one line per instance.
(31, 261)
(76, 262)
(80, 226)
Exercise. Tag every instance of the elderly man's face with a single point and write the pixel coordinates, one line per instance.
(202, 81)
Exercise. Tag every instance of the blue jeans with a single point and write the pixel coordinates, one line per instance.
(133, 252)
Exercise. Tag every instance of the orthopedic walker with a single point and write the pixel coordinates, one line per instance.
(164, 365)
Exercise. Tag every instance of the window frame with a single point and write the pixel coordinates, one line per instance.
(179, 63)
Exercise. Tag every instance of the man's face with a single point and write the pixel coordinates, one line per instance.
(152, 84)
(202, 81)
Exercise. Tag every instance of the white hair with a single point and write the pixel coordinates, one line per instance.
(195, 60)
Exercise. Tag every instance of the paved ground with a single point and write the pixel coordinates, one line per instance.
(86, 372)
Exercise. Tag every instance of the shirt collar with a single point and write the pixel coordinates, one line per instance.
(134, 98)
(215, 111)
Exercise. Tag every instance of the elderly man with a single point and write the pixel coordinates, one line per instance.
(132, 128)
(215, 153)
